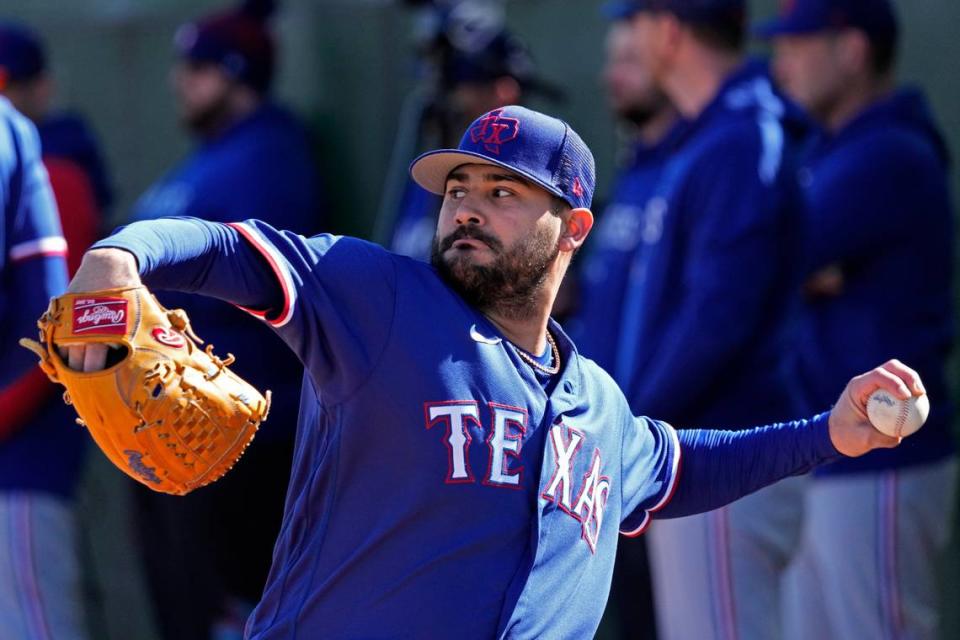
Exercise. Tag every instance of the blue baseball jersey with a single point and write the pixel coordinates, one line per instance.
(439, 487)
(627, 226)
(702, 336)
(878, 208)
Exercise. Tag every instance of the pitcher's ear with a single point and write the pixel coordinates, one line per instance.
(576, 227)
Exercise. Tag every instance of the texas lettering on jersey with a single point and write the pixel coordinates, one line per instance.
(582, 499)
(592, 498)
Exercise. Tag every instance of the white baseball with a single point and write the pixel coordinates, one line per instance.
(895, 417)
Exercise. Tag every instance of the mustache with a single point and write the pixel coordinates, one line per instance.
(473, 233)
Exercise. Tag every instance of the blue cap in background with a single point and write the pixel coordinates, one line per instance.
(22, 56)
(238, 39)
(687, 10)
(505, 55)
(876, 18)
(540, 148)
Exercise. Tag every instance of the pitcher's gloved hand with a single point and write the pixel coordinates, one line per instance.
(165, 411)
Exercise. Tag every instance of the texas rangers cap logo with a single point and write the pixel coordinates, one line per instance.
(494, 130)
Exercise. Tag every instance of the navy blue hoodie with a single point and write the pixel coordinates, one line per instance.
(628, 223)
(704, 342)
(878, 208)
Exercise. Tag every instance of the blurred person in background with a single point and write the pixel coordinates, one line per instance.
(43, 426)
(71, 151)
(703, 333)
(252, 159)
(470, 64)
(878, 255)
(40, 592)
(650, 127)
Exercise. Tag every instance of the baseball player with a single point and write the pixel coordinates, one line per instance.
(460, 470)
(627, 224)
(706, 303)
(626, 227)
(68, 142)
(879, 222)
(39, 572)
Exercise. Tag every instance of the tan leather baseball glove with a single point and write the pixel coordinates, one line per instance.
(169, 414)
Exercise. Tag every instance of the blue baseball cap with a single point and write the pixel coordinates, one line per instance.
(538, 147)
(22, 56)
(687, 10)
(876, 18)
(237, 39)
(505, 55)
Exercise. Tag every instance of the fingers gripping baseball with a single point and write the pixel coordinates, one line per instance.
(850, 428)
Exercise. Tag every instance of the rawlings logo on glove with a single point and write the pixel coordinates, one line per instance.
(169, 414)
(100, 315)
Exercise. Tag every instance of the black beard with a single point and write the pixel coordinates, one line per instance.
(638, 116)
(509, 285)
(641, 112)
(208, 122)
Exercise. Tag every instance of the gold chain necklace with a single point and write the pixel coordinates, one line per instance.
(529, 359)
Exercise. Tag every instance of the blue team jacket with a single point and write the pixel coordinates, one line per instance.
(621, 233)
(878, 206)
(705, 343)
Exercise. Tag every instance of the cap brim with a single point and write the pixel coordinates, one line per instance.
(431, 170)
(620, 10)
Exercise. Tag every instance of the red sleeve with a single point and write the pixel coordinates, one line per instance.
(80, 219)
(79, 215)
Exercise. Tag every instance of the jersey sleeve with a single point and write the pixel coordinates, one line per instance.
(34, 271)
(718, 466)
(651, 456)
(35, 231)
(338, 303)
(723, 466)
(330, 298)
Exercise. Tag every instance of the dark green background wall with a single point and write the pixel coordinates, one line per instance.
(346, 65)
